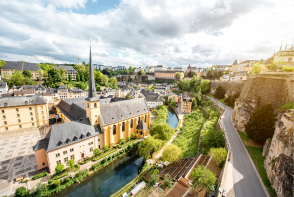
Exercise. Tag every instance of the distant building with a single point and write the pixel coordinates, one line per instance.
(62, 91)
(286, 55)
(239, 65)
(152, 99)
(69, 71)
(3, 87)
(192, 69)
(10, 67)
(149, 69)
(186, 103)
(170, 75)
(160, 68)
(179, 69)
(76, 92)
(23, 112)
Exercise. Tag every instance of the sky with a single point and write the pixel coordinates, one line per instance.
(144, 33)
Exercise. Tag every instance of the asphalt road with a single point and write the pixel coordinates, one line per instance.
(246, 183)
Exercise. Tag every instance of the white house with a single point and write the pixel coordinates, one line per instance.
(3, 87)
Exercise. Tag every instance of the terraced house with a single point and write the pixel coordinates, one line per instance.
(10, 67)
(23, 112)
(89, 123)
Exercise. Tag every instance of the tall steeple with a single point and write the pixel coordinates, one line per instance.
(92, 89)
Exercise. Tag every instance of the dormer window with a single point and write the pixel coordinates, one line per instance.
(59, 143)
(67, 140)
(82, 136)
(88, 134)
(75, 138)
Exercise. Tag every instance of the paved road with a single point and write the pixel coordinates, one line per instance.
(246, 183)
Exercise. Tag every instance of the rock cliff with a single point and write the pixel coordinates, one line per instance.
(232, 91)
(279, 159)
(243, 109)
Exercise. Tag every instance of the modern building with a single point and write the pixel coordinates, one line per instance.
(3, 87)
(89, 123)
(23, 112)
(69, 70)
(10, 67)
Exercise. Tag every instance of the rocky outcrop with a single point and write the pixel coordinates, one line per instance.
(266, 147)
(279, 160)
(232, 91)
(242, 111)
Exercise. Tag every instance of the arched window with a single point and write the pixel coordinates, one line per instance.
(114, 130)
(123, 126)
(290, 59)
(145, 118)
(131, 123)
(95, 105)
(138, 120)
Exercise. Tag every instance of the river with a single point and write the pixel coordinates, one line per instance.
(114, 176)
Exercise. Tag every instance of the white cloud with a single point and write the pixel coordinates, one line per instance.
(150, 32)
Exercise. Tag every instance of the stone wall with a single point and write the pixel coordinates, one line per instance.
(279, 160)
(227, 84)
(243, 109)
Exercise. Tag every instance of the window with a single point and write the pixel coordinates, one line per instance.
(4, 117)
(123, 126)
(41, 107)
(33, 124)
(290, 59)
(65, 152)
(31, 113)
(138, 120)
(58, 155)
(30, 108)
(17, 115)
(43, 164)
(43, 117)
(32, 118)
(145, 118)
(95, 105)
(58, 162)
(5, 122)
(19, 126)
(98, 140)
(6, 128)
(42, 112)
(65, 159)
(71, 150)
(114, 130)
(2, 111)
(88, 105)
(18, 120)
(16, 109)
(90, 143)
(72, 157)
(91, 149)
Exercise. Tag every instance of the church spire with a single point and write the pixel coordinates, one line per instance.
(92, 89)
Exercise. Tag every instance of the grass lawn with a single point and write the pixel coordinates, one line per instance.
(220, 100)
(256, 156)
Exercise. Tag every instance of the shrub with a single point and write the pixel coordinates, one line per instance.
(220, 92)
(57, 183)
(219, 156)
(122, 140)
(40, 175)
(21, 191)
(59, 167)
(133, 135)
(112, 145)
(96, 151)
(288, 106)
(172, 153)
(67, 179)
(105, 147)
(128, 138)
(167, 180)
(71, 163)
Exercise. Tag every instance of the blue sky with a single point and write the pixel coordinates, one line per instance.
(144, 33)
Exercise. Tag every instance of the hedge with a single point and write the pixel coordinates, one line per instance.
(58, 177)
(84, 162)
(40, 175)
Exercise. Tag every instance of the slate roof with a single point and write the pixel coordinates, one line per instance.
(62, 87)
(142, 126)
(43, 143)
(20, 101)
(67, 68)
(40, 87)
(186, 97)
(3, 84)
(150, 96)
(62, 135)
(21, 66)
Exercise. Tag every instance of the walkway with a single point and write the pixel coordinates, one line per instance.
(245, 180)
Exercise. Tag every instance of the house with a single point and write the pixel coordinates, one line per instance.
(76, 92)
(179, 69)
(174, 96)
(170, 75)
(23, 112)
(3, 87)
(160, 68)
(90, 123)
(239, 65)
(192, 69)
(186, 103)
(149, 69)
(152, 99)
(62, 91)
(10, 67)
(161, 88)
(69, 70)
(241, 75)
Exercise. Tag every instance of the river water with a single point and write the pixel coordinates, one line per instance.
(114, 176)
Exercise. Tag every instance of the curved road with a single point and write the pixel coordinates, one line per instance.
(245, 181)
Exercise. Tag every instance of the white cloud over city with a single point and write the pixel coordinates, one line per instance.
(143, 33)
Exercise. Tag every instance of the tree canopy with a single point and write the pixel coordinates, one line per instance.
(261, 124)
(205, 85)
(202, 178)
(220, 92)
(172, 153)
(149, 146)
(256, 68)
(162, 131)
(219, 155)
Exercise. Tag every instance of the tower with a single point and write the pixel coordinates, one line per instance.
(92, 102)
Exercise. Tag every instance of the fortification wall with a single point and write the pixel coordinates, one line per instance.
(227, 84)
(268, 89)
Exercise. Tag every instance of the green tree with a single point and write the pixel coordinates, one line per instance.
(97, 76)
(78, 77)
(57, 183)
(55, 75)
(113, 81)
(21, 191)
(220, 92)
(162, 131)
(149, 146)
(71, 163)
(202, 178)
(178, 76)
(59, 167)
(261, 124)
(82, 77)
(288, 69)
(104, 80)
(154, 178)
(27, 74)
(256, 68)
(213, 139)
(167, 179)
(69, 78)
(230, 100)
(96, 151)
(219, 155)
(2, 63)
(141, 72)
(172, 153)
(275, 65)
(105, 147)
(173, 103)
(39, 189)
(205, 85)
(62, 72)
